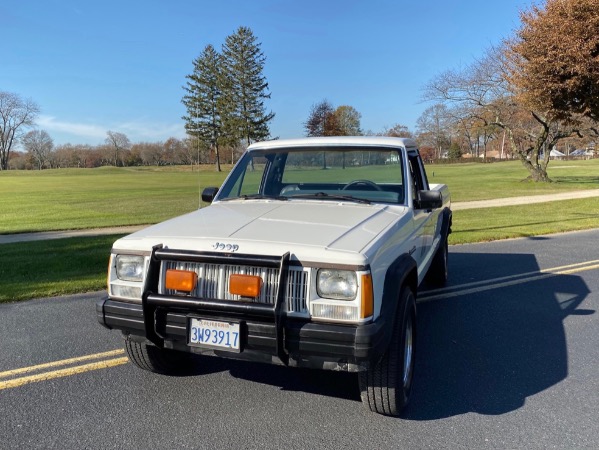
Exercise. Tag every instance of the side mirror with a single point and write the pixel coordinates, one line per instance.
(208, 194)
(428, 200)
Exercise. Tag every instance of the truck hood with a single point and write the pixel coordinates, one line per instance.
(271, 227)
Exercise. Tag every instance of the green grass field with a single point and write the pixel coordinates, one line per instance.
(489, 224)
(93, 198)
(55, 267)
(476, 181)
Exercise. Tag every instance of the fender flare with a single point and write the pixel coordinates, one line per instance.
(447, 222)
(402, 272)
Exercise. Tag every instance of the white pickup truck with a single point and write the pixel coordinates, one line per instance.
(310, 254)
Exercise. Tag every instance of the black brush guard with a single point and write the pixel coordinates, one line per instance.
(155, 305)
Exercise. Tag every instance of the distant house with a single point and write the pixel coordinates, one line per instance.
(582, 153)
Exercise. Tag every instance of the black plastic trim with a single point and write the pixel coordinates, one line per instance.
(114, 314)
(216, 258)
(446, 224)
(155, 305)
(402, 272)
(301, 339)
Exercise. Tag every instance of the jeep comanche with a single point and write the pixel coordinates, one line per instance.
(310, 254)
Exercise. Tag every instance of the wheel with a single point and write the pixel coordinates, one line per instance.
(438, 271)
(157, 360)
(386, 386)
(365, 183)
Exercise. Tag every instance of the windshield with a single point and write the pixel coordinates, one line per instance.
(370, 174)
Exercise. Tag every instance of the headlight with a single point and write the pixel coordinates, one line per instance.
(337, 284)
(129, 267)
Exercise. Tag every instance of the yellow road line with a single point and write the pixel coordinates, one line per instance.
(582, 269)
(533, 276)
(64, 362)
(63, 372)
(457, 291)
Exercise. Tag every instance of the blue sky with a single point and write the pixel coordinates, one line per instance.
(120, 65)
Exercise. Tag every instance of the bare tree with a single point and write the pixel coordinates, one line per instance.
(151, 153)
(483, 88)
(15, 114)
(172, 147)
(434, 128)
(190, 151)
(398, 130)
(39, 145)
(118, 142)
(474, 131)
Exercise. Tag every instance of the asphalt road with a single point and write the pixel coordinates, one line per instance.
(508, 357)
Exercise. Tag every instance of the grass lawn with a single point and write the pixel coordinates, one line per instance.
(91, 198)
(476, 181)
(55, 267)
(488, 224)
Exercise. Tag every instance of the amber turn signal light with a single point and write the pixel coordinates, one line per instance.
(367, 296)
(245, 285)
(181, 280)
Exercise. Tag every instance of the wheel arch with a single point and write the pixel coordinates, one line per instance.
(446, 223)
(403, 272)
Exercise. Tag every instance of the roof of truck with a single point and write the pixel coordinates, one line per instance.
(334, 141)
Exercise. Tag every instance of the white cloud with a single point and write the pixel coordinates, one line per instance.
(85, 133)
(50, 124)
(141, 130)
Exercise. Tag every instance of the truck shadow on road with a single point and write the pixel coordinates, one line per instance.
(484, 351)
(487, 350)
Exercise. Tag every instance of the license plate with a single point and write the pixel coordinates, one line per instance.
(214, 334)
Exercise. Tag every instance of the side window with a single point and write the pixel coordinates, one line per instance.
(418, 174)
(414, 180)
(423, 177)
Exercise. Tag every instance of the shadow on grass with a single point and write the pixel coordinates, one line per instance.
(579, 216)
(577, 180)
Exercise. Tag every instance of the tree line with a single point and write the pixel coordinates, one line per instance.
(41, 153)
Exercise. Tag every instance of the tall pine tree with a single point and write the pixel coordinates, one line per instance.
(204, 118)
(244, 88)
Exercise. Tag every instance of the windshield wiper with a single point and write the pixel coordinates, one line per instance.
(349, 198)
(262, 197)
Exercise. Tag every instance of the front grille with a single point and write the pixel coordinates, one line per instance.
(213, 283)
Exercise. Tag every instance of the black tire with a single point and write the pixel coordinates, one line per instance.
(438, 272)
(386, 386)
(158, 360)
